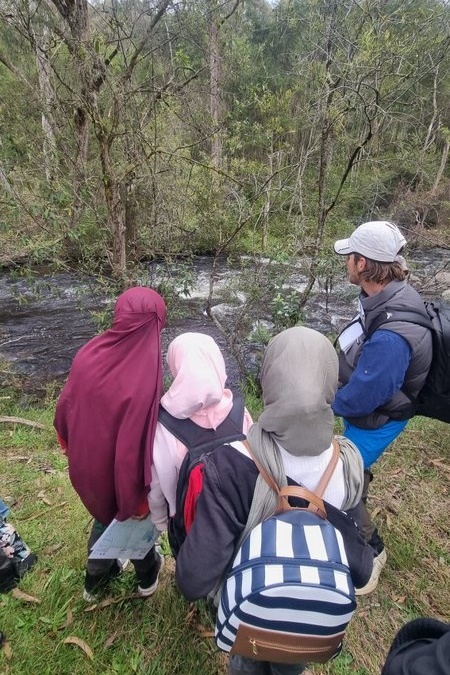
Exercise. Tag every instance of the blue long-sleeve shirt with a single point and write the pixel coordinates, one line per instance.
(379, 374)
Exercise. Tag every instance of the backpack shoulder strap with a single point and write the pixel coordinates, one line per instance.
(326, 476)
(388, 316)
(183, 429)
(316, 504)
(203, 440)
(265, 474)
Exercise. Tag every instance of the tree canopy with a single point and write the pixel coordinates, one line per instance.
(141, 128)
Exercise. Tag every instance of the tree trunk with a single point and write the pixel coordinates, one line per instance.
(75, 13)
(326, 151)
(81, 122)
(42, 46)
(431, 131)
(116, 212)
(441, 169)
(267, 203)
(215, 95)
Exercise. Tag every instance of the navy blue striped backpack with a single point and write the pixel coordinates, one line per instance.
(288, 595)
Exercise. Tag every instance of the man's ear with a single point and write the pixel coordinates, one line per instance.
(361, 264)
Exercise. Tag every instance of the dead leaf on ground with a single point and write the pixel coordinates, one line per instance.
(191, 612)
(20, 595)
(44, 513)
(73, 640)
(204, 632)
(112, 638)
(21, 420)
(400, 600)
(18, 458)
(50, 550)
(397, 472)
(441, 464)
(112, 601)
(68, 621)
(7, 650)
(44, 498)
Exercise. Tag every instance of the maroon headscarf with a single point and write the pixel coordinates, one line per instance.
(107, 412)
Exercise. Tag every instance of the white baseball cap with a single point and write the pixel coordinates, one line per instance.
(378, 240)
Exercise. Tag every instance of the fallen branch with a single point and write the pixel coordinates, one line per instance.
(43, 513)
(21, 420)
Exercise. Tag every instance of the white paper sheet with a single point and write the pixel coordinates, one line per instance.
(131, 539)
(350, 335)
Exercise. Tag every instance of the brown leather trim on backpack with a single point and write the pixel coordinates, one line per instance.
(266, 645)
(265, 474)
(326, 476)
(315, 505)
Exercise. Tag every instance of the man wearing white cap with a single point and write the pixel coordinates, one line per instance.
(381, 371)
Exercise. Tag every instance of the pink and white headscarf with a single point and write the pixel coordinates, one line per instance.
(198, 389)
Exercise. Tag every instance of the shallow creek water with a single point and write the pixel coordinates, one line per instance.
(46, 318)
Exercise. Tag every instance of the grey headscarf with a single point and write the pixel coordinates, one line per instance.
(299, 377)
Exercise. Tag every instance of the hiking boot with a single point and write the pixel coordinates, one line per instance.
(123, 563)
(148, 585)
(95, 582)
(89, 597)
(25, 564)
(378, 563)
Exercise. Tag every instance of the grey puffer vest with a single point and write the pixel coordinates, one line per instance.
(397, 295)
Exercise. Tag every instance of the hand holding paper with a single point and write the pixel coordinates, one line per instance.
(130, 538)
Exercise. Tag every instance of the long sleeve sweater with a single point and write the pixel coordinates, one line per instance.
(222, 510)
(379, 374)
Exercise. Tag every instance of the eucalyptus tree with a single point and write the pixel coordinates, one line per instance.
(118, 79)
(358, 75)
(167, 126)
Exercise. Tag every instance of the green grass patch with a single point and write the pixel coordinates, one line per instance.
(165, 634)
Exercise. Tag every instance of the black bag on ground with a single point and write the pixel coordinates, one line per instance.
(8, 576)
(15, 556)
(199, 442)
(421, 647)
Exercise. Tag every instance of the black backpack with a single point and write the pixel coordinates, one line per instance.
(199, 442)
(434, 398)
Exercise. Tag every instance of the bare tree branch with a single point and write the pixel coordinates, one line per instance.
(156, 19)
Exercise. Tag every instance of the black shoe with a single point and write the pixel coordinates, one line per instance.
(378, 563)
(376, 542)
(94, 582)
(25, 565)
(147, 585)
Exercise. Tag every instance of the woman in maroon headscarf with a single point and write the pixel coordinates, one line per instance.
(106, 418)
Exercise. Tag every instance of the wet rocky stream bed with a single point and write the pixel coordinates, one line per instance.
(46, 317)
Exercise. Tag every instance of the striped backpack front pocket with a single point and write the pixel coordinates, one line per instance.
(288, 596)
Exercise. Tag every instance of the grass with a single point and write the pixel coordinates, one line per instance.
(165, 634)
